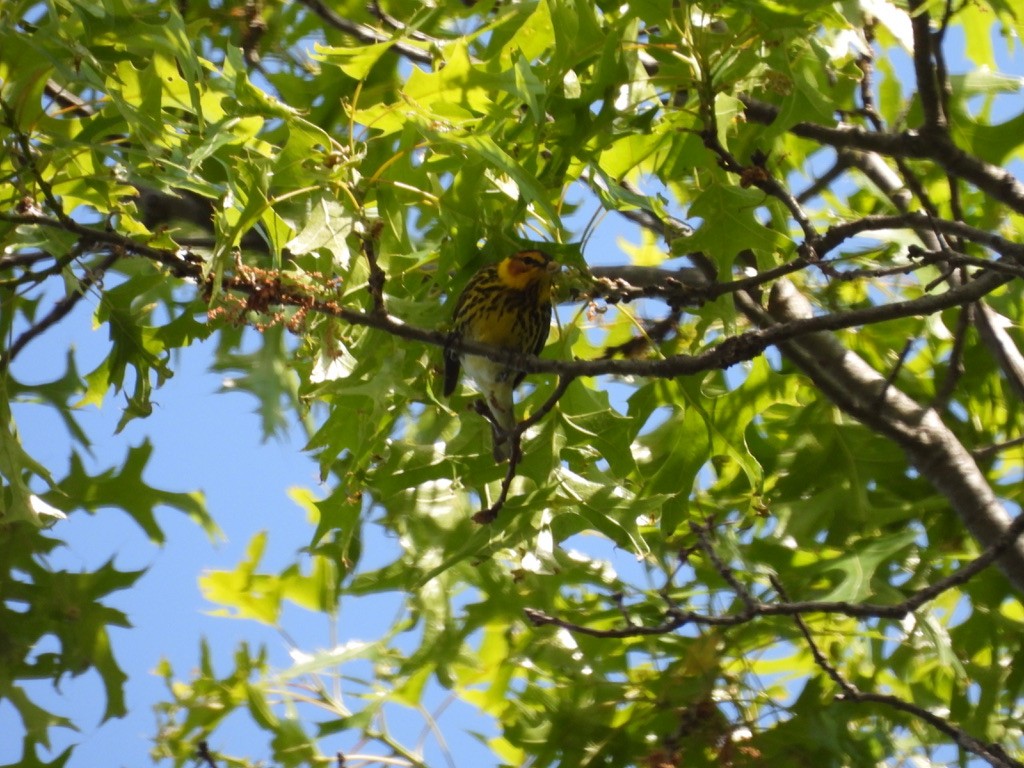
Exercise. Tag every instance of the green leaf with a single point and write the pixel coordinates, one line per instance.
(326, 660)
(18, 502)
(590, 421)
(354, 62)
(526, 188)
(125, 489)
(730, 225)
(244, 593)
(260, 709)
(676, 451)
(36, 721)
(851, 573)
(610, 511)
(328, 225)
(267, 374)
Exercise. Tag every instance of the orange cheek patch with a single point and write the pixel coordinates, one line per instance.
(516, 267)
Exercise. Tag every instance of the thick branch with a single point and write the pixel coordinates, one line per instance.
(857, 389)
(936, 453)
(995, 181)
(735, 349)
(366, 34)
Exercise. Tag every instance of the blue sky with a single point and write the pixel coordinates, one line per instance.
(202, 441)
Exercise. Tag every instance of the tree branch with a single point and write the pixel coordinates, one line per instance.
(924, 68)
(366, 34)
(936, 453)
(675, 618)
(995, 181)
(856, 388)
(272, 290)
(987, 321)
(60, 310)
(843, 377)
(992, 753)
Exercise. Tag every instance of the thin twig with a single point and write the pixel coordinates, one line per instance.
(924, 68)
(891, 378)
(203, 754)
(866, 63)
(385, 18)
(823, 182)
(993, 753)
(650, 336)
(26, 156)
(377, 277)
(556, 394)
(759, 176)
(749, 602)
(60, 310)
(24, 259)
(489, 514)
(837, 234)
(988, 451)
(819, 657)
(997, 182)
(674, 618)
(34, 278)
(955, 367)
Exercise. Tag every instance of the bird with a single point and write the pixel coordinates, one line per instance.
(506, 305)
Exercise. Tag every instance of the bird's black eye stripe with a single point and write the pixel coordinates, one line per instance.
(532, 259)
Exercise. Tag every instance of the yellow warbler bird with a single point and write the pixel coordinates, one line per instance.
(505, 305)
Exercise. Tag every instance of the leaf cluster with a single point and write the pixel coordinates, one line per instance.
(679, 564)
